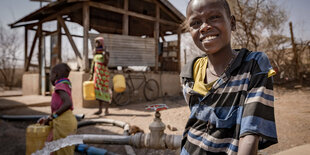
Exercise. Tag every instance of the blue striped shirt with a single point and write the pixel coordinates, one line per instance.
(239, 103)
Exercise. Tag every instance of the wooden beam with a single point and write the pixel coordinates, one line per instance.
(179, 49)
(130, 13)
(156, 35)
(61, 12)
(173, 9)
(85, 39)
(162, 37)
(31, 50)
(295, 57)
(35, 65)
(40, 48)
(47, 33)
(107, 29)
(30, 25)
(59, 40)
(166, 10)
(76, 51)
(125, 18)
(26, 47)
(51, 17)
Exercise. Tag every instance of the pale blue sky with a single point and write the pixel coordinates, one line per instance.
(298, 11)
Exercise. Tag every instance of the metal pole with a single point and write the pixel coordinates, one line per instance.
(43, 75)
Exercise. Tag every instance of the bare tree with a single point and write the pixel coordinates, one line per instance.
(276, 45)
(303, 53)
(257, 20)
(9, 47)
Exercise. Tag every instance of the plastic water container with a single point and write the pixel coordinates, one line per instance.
(119, 83)
(36, 135)
(89, 90)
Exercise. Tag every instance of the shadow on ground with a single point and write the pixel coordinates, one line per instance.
(170, 101)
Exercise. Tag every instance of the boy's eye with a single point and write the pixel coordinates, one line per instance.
(194, 23)
(214, 17)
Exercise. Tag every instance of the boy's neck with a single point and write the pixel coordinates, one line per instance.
(219, 60)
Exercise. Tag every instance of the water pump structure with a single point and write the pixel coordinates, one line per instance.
(156, 139)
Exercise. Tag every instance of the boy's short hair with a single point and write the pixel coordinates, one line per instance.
(226, 7)
(224, 3)
(62, 69)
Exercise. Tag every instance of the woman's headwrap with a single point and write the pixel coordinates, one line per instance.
(99, 44)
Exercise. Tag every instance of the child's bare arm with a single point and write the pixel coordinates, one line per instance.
(248, 145)
(67, 102)
(91, 71)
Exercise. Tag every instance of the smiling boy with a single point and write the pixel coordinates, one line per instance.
(229, 92)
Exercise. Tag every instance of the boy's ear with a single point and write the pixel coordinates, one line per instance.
(233, 23)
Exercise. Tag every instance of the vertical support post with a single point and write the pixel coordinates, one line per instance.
(43, 64)
(59, 54)
(26, 49)
(85, 38)
(179, 49)
(125, 19)
(294, 51)
(32, 48)
(156, 35)
(40, 56)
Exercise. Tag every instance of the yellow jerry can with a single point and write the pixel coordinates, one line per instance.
(36, 135)
(119, 83)
(89, 90)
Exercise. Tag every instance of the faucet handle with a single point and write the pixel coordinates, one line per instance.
(157, 107)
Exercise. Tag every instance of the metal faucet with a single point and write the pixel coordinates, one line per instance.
(157, 139)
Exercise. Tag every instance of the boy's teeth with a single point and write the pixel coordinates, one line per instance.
(210, 37)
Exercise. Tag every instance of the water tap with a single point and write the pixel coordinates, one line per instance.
(156, 138)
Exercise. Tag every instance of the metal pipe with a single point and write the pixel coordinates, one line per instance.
(156, 139)
(32, 117)
(120, 124)
(138, 140)
(106, 139)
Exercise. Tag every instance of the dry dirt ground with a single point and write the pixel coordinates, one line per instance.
(292, 111)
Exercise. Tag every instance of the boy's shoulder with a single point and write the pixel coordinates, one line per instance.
(260, 59)
(187, 70)
(256, 55)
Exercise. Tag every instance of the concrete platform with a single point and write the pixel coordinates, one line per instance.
(299, 150)
(13, 92)
(24, 101)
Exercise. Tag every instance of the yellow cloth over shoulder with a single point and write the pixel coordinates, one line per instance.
(199, 74)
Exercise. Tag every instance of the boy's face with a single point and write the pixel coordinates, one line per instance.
(210, 25)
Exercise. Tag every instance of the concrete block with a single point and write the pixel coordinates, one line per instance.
(31, 84)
